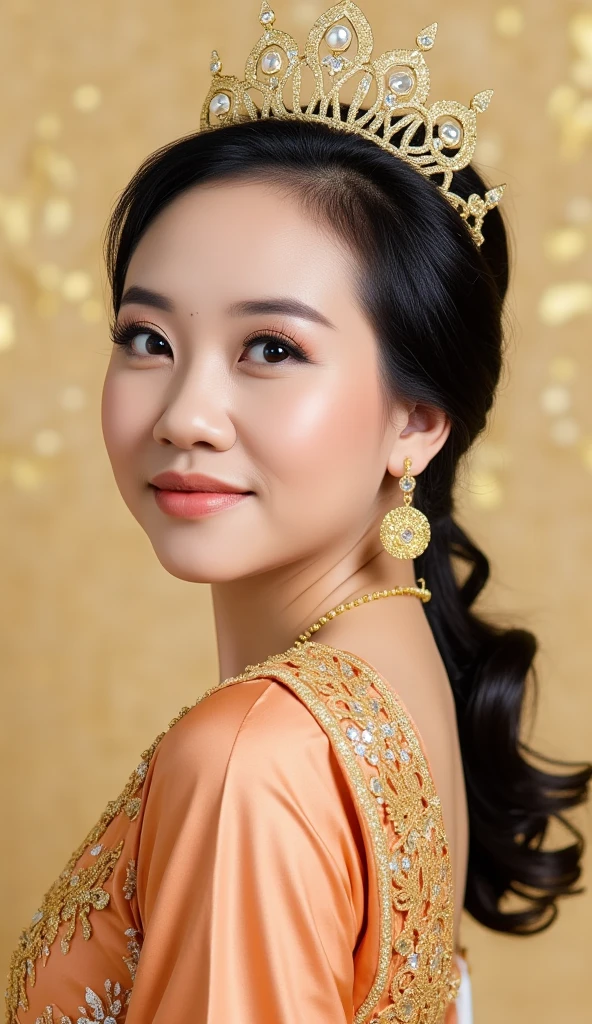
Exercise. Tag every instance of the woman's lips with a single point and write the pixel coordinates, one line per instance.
(195, 504)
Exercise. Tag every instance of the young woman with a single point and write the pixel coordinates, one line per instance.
(307, 340)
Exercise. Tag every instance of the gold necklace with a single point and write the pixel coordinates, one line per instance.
(421, 592)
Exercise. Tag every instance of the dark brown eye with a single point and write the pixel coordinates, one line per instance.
(273, 350)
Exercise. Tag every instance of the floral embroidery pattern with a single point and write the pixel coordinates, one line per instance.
(133, 947)
(116, 1001)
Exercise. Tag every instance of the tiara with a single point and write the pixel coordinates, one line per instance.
(436, 140)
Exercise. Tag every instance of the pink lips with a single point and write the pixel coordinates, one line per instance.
(193, 495)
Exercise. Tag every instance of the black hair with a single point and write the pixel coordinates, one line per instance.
(435, 301)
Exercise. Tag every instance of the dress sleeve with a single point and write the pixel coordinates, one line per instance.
(251, 868)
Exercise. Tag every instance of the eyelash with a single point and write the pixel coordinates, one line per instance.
(123, 335)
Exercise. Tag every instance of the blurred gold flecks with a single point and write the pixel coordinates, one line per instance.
(25, 474)
(56, 167)
(49, 276)
(86, 98)
(72, 398)
(48, 127)
(560, 303)
(509, 20)
(570, 104)
(76, 285)
(7, 332)
(47, 304)
(48, 442)
(565, 244)
(578, 210)
(15, 219)
(57, 215)
(586, 449)
(555, 399)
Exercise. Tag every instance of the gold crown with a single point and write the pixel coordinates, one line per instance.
(436, 140)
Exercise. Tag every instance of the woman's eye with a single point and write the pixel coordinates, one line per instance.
(141, 343)
(273, 350)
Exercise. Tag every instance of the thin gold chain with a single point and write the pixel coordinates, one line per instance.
(421, 592)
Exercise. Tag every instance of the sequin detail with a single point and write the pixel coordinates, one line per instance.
(131, 880)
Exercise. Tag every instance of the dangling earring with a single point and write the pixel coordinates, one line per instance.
(405, 531)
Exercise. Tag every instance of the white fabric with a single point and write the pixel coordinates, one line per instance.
(464, 999)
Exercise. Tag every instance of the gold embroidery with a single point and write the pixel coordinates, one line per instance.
(73, 895)
(397, 795)
(395, 789)
(131, 880)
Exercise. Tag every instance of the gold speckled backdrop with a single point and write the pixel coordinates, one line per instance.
(100, 647)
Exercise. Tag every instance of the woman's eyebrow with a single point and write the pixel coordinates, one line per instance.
(244, 307)
(146, 297)
(289, 306)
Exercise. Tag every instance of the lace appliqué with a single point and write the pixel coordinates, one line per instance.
(77, 892)
(109, 1012)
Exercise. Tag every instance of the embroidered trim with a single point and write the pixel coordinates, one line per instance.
(75, 893)
(116, 1001)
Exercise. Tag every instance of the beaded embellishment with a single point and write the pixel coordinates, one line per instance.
(382, 757)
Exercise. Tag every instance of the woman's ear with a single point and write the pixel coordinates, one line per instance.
(422, 437)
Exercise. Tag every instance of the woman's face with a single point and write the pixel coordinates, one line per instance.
(250, 361)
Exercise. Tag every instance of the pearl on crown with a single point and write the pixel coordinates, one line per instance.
(401, 82)
(451, 134)
(271, 62)
(220, 103)
(338, 37)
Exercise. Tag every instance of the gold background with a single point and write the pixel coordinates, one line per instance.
(100, 646)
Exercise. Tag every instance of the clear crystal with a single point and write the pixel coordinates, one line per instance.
(267, 17)
(333, 63)
(375, 705)
(425, 41)
(365, 83)
(404, 755)
(401, 83)
(274, 82)
(406, 483)
(220, 103)
(142, 769)
(437, 143)
(352, 733)
(372, 758)
(412, 840)
(215, 65)
(322, 666)
(403, 946)
(346, 669)
(96, 850)
(37, 917)
(494, 195)
(267, 36)
(405, 863)
(271, 61)
(413, 960)
(436, 890)
(389, 756)
(292, 53)
(375, 784)
(387, 729)
(360, 749)
(75, 879)
(406, 535)
(366, 736)
(394, 864)
(390, 100)
(357, 706)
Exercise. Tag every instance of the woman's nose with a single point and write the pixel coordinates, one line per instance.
(196, 409)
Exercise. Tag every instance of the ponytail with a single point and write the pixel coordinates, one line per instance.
(511, 801)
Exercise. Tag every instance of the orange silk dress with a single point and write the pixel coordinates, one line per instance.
(277, 857)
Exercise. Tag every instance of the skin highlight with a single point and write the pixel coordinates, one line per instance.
(311, 439)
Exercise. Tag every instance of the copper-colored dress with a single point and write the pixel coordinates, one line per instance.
(277, 857)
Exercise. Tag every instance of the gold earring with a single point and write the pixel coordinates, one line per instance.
(405, 531)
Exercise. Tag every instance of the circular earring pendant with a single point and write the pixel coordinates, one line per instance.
(405, 532)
